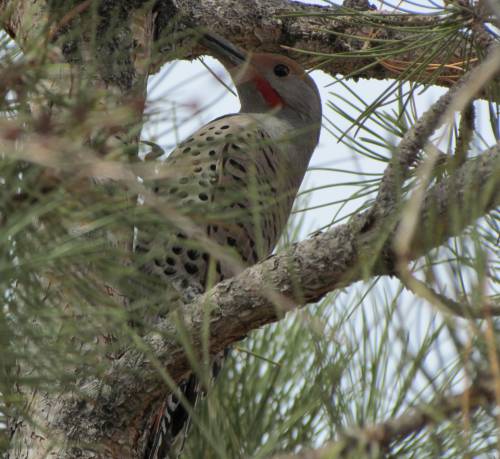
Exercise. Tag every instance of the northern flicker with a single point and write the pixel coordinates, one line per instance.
(238, 177)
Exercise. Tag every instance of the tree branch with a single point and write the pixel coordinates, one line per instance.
(373, 440)
(340, 40)
(417, 137)
(355, 40)
(264, 293)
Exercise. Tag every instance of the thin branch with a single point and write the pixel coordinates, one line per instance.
(439, 113)
(465, 135)
(444, 303)
(471, 84)
(373, 440)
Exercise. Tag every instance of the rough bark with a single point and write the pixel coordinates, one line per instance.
(114, 73)
(335, 40)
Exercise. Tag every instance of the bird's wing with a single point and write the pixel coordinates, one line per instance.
(228, 183)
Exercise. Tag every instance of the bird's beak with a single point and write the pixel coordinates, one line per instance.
(229, 54)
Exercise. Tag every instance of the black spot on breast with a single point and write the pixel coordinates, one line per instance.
(211, 152)
(183, 194)
(193, 254)
(191, 268)
(181, 236)
(186, 150)
(177, 249)
(203, 196)
(183, 180)
(157, 262)
(225, 127)
(205, 256)
(170, 261)
(210, 138)
(169, 271)
(197, 169)
(213, 167)
(173, 190)
(231, 241)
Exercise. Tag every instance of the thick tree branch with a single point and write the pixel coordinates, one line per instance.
(374, 439)
(264, 293)
(337, 40)
(366, 45)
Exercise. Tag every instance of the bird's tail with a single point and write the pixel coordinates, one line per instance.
(172, 423)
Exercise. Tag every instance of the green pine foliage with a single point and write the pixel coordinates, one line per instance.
(362, 355)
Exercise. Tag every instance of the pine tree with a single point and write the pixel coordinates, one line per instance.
(374, 336)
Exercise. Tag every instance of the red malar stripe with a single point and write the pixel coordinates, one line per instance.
(267, 91)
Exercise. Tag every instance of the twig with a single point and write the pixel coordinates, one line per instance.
(444, 303)
(67, 18)
(418, 136)
(374, 439)
(465, 133)
(457, 99)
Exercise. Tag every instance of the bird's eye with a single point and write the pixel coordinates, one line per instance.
(281, 70)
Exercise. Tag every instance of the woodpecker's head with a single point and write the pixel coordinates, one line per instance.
(269, 82)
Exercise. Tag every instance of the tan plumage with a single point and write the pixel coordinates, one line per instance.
(233, 179)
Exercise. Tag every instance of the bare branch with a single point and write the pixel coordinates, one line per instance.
(444, 303)
(373, 440)
(334, 36)
(438, 114)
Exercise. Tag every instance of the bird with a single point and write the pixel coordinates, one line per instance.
(237, 178)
